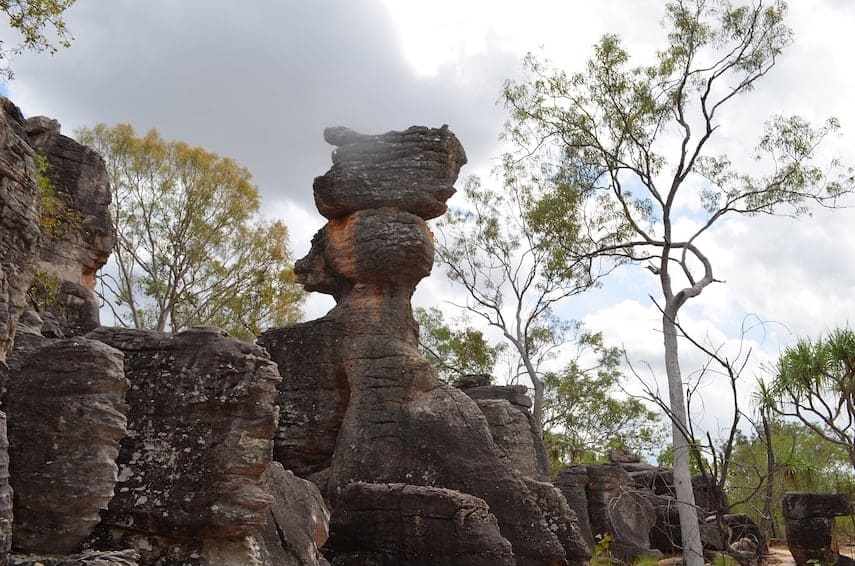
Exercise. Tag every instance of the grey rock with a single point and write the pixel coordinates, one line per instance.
(20, 212)
(6, 516)
(394, 524)
(81, 238)
(413, 170)
(573, 481)
(200, 431)
(66, 418)
(86, 558)
(298, 523)
(513, 429)
(804, 505)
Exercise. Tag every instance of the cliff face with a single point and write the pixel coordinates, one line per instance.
(20, 210)
(79, 236)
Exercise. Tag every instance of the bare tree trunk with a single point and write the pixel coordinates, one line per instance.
(689, 528)
(767, 524)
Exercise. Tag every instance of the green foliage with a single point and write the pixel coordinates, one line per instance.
(585, 414)
(803, 462)
(814, 381)
(57, 213)
(40, 24)
(665, 459)
(191, 247)
(620, 150)
(453, 351)
(44, 290)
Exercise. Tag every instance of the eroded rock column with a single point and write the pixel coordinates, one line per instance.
(392, 421)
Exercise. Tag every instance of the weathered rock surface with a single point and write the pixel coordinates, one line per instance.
(573, 482)
(507, 410)
(298, 523)
(87, 558)
(804, 505)
(810, 526)
(392, 524)
(5, 493)
(616, 507)
(413, 170)
(400, 424)
(66, 417)
(313, 394)
(20, 211)
(561, 519)
(81, 235)
(200, 428)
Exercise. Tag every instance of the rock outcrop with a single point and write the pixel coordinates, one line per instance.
(507, 409)
(20, 212)
(810, 525)
(66, 417)
(298, 523)
(78, 234)
(415, 525)
(201, 422)
(399, 424)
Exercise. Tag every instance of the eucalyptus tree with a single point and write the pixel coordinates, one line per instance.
(635, 144)
(191, 248)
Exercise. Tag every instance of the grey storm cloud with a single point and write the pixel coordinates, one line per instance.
(257, 81)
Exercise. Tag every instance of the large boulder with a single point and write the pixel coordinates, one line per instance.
(200, 432)
(391, 524)
(66, 418)
(413, 170)
(313, 394)
(810, 525)
(508, 413)
(573, 482)
(298, 523)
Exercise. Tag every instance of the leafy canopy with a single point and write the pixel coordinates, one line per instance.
(191, 247)
(41, 26)
(453, 351)
(814, 382)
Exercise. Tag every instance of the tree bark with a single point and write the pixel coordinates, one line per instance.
(689, 528)
(767, 523)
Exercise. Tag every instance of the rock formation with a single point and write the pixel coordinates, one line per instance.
(398, 424)
(415, 525)
(810, 526)
(201, 421)
(20, 211)
(298, 522)
(507, 409)
(79, 235)
(66, 417)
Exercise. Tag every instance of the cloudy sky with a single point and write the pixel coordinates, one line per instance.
(259, 80)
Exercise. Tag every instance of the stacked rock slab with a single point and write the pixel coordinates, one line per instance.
(66, 417)
(810, 526)
(201, 422)
(80, 236)
(399, 424)
(507, 409)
